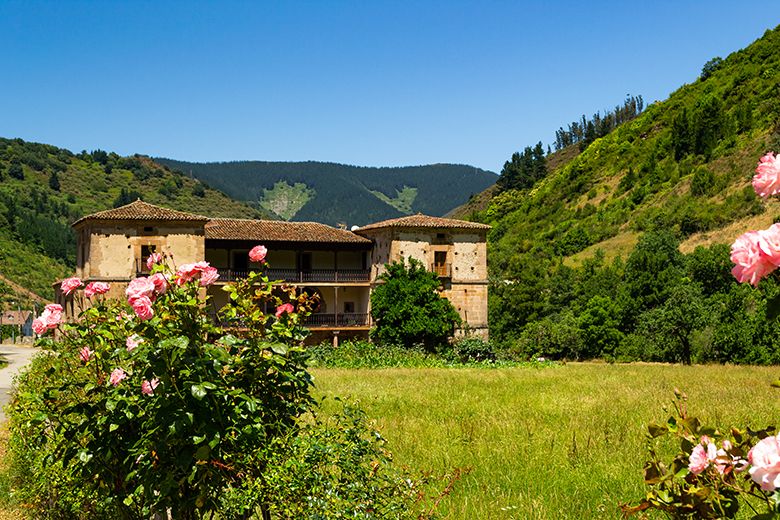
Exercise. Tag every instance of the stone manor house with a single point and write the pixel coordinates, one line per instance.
(341, 266)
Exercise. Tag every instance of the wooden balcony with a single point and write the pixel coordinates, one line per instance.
(442, 270)
(298, 276)
(351, 319)
(320, 321)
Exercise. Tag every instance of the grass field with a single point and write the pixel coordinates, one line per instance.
(542, 443)
(547, 443)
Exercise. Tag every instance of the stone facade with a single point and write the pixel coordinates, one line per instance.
(341, 266)
(458, 255)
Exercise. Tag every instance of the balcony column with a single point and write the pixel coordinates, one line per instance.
(336, 266)
(336, 306)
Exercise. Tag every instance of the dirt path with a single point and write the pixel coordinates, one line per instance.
(17, 357)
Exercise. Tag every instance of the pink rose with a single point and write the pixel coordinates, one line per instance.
(50, 318)
(69, 285)
(94, 288)
(698, 461)
(700, 457)
(766, 182)
(39, 326)
(188, 272)
(765, 460)
(138, 288)
(160, 283)
(154, 258)
(142, 307)
(147, 387)
(85, 354)
(751, 264)
(133, 341)
(284, 308)
(257, 253)
(117, 376)
(208, 276)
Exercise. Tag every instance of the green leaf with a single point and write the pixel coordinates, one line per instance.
(84, 456)
(198, 391)
(197, 439)
(203, 452)
(773, 307)
(112, 427)
(128, 501)
(656, 430)
(279, 348)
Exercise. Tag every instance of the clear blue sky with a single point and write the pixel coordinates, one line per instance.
(364, 82)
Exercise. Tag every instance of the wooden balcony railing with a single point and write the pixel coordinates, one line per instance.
(298, 276)
(442, 270)
(350, 319)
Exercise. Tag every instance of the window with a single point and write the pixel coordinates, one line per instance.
(349, 307)
(146, 252)
(440, 263)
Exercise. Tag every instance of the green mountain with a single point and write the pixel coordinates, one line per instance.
(43, 189)
(680, 170)
(337, 193)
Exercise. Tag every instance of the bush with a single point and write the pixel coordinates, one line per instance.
(471, 349)
(408, 309)
(555, 337)
(164, 413)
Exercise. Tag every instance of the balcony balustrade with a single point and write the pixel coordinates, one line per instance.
(442, 270)
(324, 320)
(299, 276)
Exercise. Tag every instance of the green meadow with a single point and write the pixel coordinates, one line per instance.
(555, 442)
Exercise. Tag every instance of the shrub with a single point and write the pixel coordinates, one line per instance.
(165, 413)
(473, 348)
(408, 309)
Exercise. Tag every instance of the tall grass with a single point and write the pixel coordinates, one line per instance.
(564, 442)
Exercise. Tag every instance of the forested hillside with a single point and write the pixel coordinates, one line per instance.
(674, 177)
(43, 189)
(337, 193)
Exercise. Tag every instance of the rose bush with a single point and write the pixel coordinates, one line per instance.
(716, 472)
(161, 412)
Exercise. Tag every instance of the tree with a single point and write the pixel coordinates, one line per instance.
(16, 171)
(599, 325)
(126, 197)
(710, 67)
(408, 309)
(54, 181)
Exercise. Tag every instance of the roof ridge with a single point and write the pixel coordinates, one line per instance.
(140, 210)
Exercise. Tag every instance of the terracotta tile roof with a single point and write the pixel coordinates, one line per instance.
(278, 231)
(424, 221)
(15, 317)
(140, 210)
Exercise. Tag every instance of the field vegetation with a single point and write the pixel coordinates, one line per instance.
(553, 442)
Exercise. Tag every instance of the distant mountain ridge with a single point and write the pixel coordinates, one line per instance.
(341, 194)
